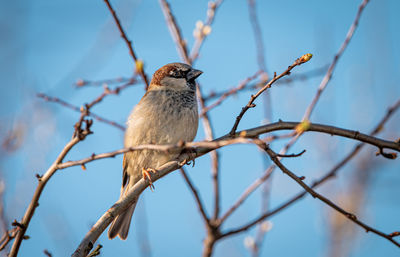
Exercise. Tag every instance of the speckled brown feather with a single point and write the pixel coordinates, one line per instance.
(160, 74)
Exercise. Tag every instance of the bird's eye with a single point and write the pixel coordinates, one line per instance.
(178, 73)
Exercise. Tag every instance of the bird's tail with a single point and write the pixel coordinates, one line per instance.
(120, 225)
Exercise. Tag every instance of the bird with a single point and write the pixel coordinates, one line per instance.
(166, 114)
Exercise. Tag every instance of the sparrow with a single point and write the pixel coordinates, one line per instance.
(166, 114)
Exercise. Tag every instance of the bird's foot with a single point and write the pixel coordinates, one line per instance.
(146, 174)
(192, 153)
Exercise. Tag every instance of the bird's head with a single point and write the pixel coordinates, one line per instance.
(175, 76)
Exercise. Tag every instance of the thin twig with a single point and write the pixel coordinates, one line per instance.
(82, 82)
(77, 109)
(232, 91)
(251, 86)
(42, 183)
(247, 192)
(196, 195)
(291, 155)
(214, 156)
(8, 234)
(138, 63)
(107, 91)
(175, 31)
(205, 29)
(257, 34)
(250, 104)
(331, 68)
(47, 253)
(7, 237)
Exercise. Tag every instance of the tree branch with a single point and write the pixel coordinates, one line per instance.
(138, 63)
(247, 192)
(331, 68)
(205, 29)
(320, 181)
(232, 91)
(250, 104)
(251, 86)
(196, 195)
(77, 109)
(241, 137)
(42, 183)
(314, 194)
(175, 31)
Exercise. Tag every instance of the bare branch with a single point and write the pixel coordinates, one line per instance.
(205, 29)
(325, 178)
(314, 194)
(47, 253)
(252, 86)
(196, 195)
(42, 183)
(232, 91)
(291, 155)
(138, 63)
(8, 234)
(77, 109)
(331, 68)
(257, 34)
(250, 104)
(175, 31)
(82, 83)
(107, 91)
(246, 194)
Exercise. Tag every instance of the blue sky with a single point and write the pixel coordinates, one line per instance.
(48, 45)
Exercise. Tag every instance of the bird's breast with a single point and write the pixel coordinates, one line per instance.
(163, 117)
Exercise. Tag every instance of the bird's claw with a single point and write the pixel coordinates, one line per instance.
(192, 153)
(146, 175)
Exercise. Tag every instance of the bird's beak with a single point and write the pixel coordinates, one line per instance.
(193, 74)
